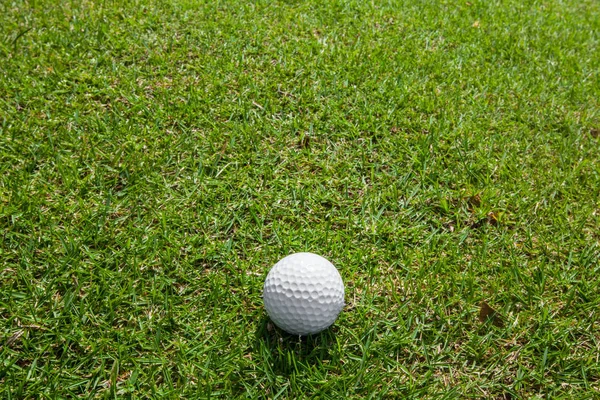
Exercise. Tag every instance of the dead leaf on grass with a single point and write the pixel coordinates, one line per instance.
(487, 313)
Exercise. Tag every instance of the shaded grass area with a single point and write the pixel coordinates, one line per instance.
(156, 158)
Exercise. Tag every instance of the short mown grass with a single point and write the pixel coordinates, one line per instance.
(158, 157)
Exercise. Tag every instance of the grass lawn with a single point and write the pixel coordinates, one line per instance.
(158, 157)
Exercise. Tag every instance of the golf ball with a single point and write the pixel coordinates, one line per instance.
(303, 294)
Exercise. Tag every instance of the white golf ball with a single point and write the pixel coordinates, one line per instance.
(303, 294)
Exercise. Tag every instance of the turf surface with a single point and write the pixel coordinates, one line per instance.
(157, 157)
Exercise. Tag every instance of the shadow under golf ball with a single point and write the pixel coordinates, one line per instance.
(288, 353)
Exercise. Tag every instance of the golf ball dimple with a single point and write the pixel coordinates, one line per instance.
(303, 294)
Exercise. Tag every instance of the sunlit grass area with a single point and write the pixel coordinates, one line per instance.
(158, 157)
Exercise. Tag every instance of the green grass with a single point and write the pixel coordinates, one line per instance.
(158, 157)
